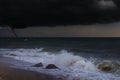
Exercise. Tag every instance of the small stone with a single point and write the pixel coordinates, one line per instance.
(38, 65)
(51, 66)
(13, 55)
(61, 78)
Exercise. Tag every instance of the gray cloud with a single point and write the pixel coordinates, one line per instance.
(106, 4)
(58, 12)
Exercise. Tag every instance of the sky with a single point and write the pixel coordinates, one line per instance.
(63, 18)
(58, 12)
(98, 30)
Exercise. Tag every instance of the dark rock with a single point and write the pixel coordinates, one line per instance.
(13, 55)
(38, 65)
(51, 66)
(109, 66)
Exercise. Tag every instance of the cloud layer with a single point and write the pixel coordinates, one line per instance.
(58, 12)
(106, 4)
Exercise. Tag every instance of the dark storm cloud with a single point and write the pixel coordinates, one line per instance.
(58, 12)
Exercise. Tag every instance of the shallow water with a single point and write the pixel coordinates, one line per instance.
(71, 66)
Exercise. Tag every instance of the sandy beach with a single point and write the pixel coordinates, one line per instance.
(8, 73)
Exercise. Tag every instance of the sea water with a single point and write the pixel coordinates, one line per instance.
(76, 58)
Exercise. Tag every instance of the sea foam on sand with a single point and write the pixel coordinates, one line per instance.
(73, 67)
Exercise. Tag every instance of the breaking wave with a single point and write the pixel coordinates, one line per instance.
(74, 67)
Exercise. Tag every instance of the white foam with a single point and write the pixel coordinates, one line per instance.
(63, 59)
(73, 66)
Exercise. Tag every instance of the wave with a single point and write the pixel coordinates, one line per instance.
(74, 66)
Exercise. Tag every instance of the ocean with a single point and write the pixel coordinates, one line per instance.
(76, 58)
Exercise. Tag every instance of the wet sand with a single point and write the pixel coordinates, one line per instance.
(8, 73)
